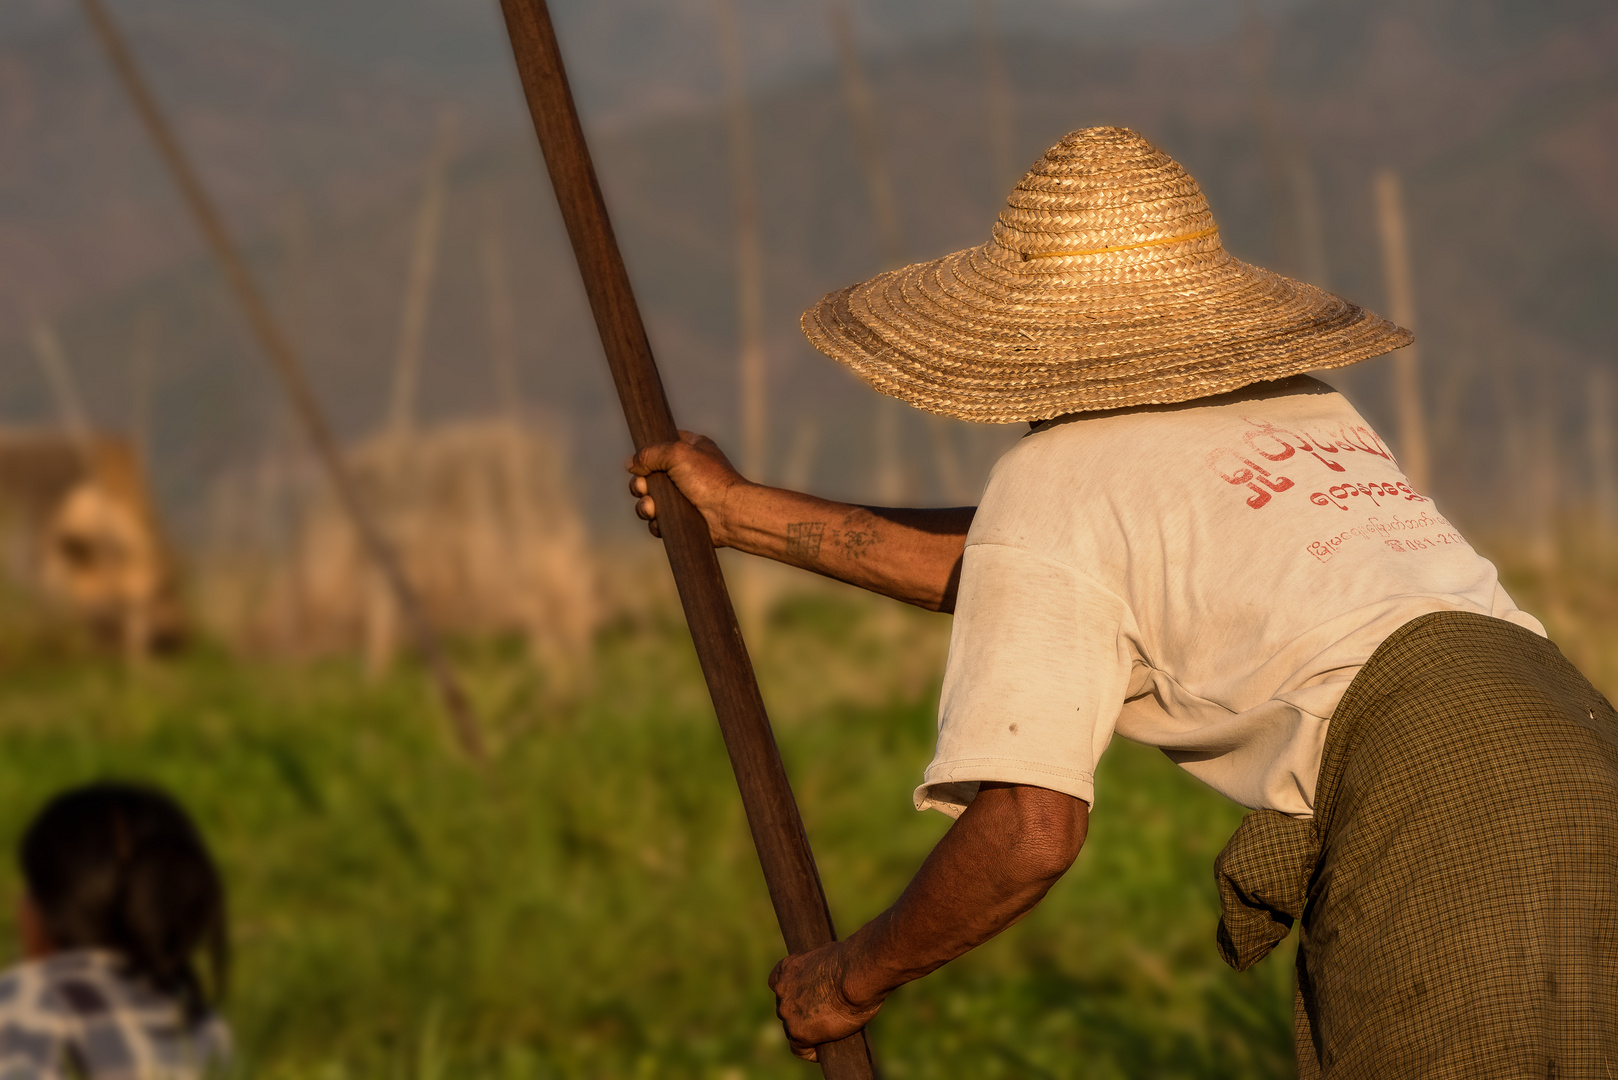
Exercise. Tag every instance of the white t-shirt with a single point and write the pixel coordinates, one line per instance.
(1206, 578)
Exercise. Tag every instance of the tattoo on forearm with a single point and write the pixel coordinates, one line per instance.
(803, 539)
(854, 541)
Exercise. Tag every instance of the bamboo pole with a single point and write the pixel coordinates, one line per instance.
(70, 410)
(1311, 231)
(1391, 225)
(997, 96)
(101, 472)
(419, 282)
(281, 441)
(142, 360)
(951, 480)
(772, 814)
(798, 471)
(1601, 446)
(1543, 477)
(867, 136)
(888, 477)
(748, 581)
(518, 483)
(138, 622)
(284, 360)
(381, 612)
(502, 322)
(754, 395)
(887, 473)
(1256, 40)
(270, 576)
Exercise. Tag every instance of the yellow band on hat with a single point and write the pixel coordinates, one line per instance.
(1120, 247)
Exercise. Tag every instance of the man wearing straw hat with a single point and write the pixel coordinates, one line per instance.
(1201, 548)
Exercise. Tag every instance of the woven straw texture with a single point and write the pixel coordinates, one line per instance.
(1105, 286)
(1462, 880)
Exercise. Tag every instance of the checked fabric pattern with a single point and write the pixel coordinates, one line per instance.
(76, 1015)
(1461, 873)
(1263, 877)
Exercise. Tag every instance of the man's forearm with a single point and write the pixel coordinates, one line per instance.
(910, 555)
(993, 866)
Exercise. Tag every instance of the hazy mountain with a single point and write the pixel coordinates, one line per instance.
(1501, 116)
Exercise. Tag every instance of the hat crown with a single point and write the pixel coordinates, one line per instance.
(1105, 286)
(1101, 189)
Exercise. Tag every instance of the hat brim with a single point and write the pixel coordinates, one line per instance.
(978, 337)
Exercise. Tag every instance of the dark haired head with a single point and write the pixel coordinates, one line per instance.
(121, 867)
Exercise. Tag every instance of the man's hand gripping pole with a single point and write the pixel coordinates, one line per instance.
(772, 815)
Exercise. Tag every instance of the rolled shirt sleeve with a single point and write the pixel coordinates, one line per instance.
(1039, 666)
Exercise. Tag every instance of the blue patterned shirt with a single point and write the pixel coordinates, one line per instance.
(77, 1015)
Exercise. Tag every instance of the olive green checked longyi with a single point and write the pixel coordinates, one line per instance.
(1458, 888)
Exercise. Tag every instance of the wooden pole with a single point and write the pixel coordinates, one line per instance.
(772, 814)
(1391, 224)
(284, 360)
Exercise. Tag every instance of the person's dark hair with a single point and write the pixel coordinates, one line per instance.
(122, 867)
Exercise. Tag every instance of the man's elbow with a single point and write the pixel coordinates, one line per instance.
(1050, 847)
(1049, 830)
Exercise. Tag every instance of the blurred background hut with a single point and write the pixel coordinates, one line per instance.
(81, 542)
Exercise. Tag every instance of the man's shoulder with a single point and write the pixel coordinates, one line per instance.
(1156, 435)
(1092, 474)
(1301, 395)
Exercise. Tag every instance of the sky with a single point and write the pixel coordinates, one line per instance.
(322, 111)
(630, 58)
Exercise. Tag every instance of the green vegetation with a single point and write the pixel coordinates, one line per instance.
(590, 905)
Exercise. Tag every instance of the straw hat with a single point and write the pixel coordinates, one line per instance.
(1105, 286)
